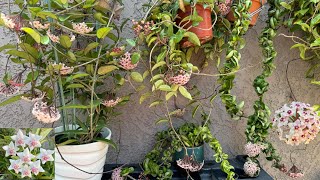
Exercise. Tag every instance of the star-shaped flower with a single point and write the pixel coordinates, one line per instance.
(11, 149)
(26, 171)
(45, 155)
(26, 156)
(33, 141)
(36, 167)
(15, 165)
(19, 139)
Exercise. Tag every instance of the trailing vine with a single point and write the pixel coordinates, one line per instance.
(157, 162)
(258, 123)
(233, 56)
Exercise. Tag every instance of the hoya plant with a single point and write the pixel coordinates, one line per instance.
(72, 64)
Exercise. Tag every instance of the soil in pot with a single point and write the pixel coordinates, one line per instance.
(254, 11)
(203, 30)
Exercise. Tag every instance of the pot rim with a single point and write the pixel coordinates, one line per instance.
(81, 145)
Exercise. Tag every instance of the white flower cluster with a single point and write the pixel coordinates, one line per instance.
(8, 22)
(45, 113)
(116, 174)
(296, 123)
(82, 28)
(126, 63)
(25, 154)
(251, 168)
(253, 150)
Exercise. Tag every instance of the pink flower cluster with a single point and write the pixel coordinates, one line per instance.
(251, 168)
(45, 113)
(253, 150)
(13, 86)
(111, 102)
(116, 174)
(296, 123)
(62, 69)
(126, 63)
(180, 79)
(224, 7)
(39, 26)
(188, 163)
(24, 159)
(142, 26)
(82, 28)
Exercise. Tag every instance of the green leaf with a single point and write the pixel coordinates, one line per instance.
(75, 106)
(75, 86)
(195, 110)
(135, 58)
(69, 141)
(103, 32)
(170, 94)
(45, 40)
(90, 47)
(137, 77)
(144, 97)
(107, 141)
(159, 64)
(106, 69)
(185, 93)
(35, 35)
(65, 41)
(162, 120)
(154, 103)
(131, 42)
(45, 14)
(7, 46)
(164, 87)
(286, 5)
(11, 100)
(22, 54)
(193, 38)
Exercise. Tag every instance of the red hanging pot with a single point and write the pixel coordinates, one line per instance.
(254, 11)
(203, 30)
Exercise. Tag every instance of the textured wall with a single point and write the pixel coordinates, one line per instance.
(134, 130)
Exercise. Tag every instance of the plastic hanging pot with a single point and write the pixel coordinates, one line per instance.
(254, 11)
(196, 152)
(203, 30)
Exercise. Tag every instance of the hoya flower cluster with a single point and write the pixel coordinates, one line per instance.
(8, 22)
(126, 63)
(188, 163)
(253, 150)
(39, 26)
(82, 28)
(181, 79)
(142, 26)
(251, 168)
(45, 113)
(26, 154)
(296, 123)
(224, 7)
(116, 174)
(111, 102)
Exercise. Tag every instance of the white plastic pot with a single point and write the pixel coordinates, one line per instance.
(88, 157)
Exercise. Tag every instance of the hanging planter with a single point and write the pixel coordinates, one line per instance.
(254, 11)
(204, 28)
(88, 157)
(196, 152)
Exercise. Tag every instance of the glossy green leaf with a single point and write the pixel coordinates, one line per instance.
(103, 32)
(137, 77)
(35, 35)
(106, 69)
(184, 92)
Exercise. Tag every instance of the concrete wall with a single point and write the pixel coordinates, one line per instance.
(134, 130)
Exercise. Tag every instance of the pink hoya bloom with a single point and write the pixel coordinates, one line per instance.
(15, 165)
(82, 28)
(19, 139)
(33, 141)
(251, 168)
(36, 167)
(11, 149)
(8, 22)
(26, 171)
(45, 155)
(26, 156)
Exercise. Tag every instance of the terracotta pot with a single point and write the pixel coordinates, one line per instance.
(254, 11)
(203, 30)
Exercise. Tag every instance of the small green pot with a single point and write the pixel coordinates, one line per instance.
(196, 152)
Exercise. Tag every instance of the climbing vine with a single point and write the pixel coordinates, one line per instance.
(258, 123)
(233, 56)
